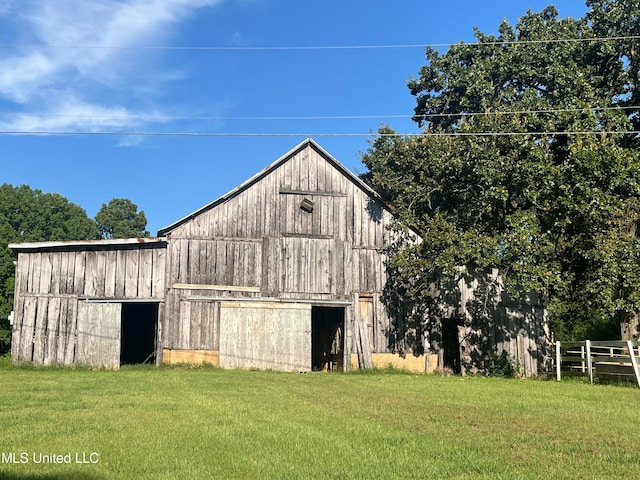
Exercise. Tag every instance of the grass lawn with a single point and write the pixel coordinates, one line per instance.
(206, 423)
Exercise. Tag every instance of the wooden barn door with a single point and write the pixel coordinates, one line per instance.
(265, 336)
(99, 334)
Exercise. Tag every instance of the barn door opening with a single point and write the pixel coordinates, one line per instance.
(138, 338)
(327, 338)
(451, 345)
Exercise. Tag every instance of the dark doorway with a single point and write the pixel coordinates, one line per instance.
(327, 338)
(138, 334)
(451, 345)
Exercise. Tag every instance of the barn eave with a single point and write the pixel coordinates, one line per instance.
(87, 244)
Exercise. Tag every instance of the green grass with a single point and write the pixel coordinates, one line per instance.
(208, 423)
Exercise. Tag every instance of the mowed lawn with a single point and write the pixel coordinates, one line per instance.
(207, 423)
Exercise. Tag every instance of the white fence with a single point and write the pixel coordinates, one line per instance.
(605, 360)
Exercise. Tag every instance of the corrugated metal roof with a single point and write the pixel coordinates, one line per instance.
(19, 247)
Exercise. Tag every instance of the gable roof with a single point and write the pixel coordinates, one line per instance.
(309, 142)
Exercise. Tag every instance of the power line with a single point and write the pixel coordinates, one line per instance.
(307, 135)
(340, 117)
(315, 47)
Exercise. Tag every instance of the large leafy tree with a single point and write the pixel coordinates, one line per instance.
(29, 215)
(120, 219)
(528, 163)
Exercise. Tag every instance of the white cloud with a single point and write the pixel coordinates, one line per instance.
(82, 80)
(6, 6)
(71, 113)
(130, 140)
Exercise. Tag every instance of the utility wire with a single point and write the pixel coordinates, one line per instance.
(307, 135)
(315, 47)
(341, 117)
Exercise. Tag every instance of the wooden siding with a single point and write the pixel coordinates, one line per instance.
(123, 273)
(44, 330)
(214, 261)
(271, 207)
(259, 238)
(98, 338)
(52, 322)
(491, 323)
(268, 257)
(265, 336)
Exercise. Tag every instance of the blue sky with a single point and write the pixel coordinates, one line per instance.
(53, 77)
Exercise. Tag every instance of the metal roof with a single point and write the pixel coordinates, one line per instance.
(86, 244)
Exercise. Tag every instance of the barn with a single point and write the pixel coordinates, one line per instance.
(284, 272)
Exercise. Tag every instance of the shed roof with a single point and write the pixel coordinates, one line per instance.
(86, 244)
(309, 142)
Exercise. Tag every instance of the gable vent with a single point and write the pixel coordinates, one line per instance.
(307, 205)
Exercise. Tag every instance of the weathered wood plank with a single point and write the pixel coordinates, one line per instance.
(34, 272)
(170, 326)
(53, 330)
(265, 336)
(184, 326)
(145, 273)
(62, 331)
(195, 325)
(183, 263)
(68, 269)
(71, 332)
(132, 272)
(121, 273)
(56, 272)
(17, 328)
(99, 334)
(27, 330)
(361, 336)
(206, 333)
(231, 288)
(110, 278)
(100, 274)
(314, 168)
(193, 247)
(23, 270)
(46, 272)
(40, 330)
(91, 273)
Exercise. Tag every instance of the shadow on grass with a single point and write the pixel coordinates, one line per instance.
(49, 476)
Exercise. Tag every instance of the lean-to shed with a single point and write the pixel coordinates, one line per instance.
(88, 302)
(284, 272)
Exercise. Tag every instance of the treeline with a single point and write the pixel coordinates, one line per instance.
(529, 162)
(30, 215)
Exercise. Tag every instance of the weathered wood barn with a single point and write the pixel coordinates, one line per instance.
(284, 272)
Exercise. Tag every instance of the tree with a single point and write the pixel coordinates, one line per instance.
(120, 219)
(505, 176)
(28, 215)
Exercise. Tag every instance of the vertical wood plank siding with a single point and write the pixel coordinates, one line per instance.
(257, 242)
(260, 237)
(493, 324)
(50, 284)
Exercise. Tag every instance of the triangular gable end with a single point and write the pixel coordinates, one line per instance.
(308, 143)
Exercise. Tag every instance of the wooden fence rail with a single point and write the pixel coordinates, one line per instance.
(604, 360)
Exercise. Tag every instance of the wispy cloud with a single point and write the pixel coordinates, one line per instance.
(84, 89)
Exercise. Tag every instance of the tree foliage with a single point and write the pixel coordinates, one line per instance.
(120, 219)
(28, 215)
(519, 167)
